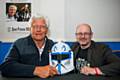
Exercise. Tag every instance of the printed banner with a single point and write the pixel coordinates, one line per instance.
(16, 15)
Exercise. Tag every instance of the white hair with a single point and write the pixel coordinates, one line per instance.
(38, 16)
(13, 6)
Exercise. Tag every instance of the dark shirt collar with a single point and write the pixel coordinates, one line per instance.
(31, 41)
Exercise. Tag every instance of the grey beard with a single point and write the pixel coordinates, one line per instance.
(84, 46)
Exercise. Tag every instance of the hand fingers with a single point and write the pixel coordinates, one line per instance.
(84, 70)
(53, 71)
(43, 74)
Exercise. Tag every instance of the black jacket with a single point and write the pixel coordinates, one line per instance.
(100, 55)
(24, 57)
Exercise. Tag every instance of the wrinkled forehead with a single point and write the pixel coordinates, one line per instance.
(83, 28)
(39, 21)
(12, 8)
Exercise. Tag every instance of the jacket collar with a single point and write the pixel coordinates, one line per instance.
(90, 50)
(31, 41)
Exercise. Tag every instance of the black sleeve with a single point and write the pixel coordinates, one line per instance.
(12, 67)
(112, 63)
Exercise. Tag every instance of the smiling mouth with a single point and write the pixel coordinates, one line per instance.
(38, 34)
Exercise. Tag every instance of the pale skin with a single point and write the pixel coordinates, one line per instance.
(84, 36)
(11, 11)
(38, 32)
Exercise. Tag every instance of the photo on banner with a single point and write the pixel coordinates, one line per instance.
(20, 12)
(17, 15)
(15, 18)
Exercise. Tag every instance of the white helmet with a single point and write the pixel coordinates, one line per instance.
(61, 57)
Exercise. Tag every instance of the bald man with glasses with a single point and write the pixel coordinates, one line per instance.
(99, 56)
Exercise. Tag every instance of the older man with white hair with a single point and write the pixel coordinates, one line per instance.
(11, 15)
(29, 56)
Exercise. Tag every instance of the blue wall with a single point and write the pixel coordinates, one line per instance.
(4, 48)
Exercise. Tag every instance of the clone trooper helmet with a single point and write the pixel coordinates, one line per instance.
(61, 57)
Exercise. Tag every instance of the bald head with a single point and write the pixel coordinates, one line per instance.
(86, 26)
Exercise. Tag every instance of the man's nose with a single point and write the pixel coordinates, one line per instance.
(38, 29)
(83, 35)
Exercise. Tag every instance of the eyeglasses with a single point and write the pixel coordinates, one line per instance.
(85, 34)
(39, 27)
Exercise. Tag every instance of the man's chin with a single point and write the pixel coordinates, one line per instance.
(84, 44)
(87, 44)
(38, 39)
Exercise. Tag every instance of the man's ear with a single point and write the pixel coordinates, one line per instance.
(91, 34)
(30, 29)
(48, 32)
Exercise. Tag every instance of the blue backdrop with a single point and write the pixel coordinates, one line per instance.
(5, 46)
